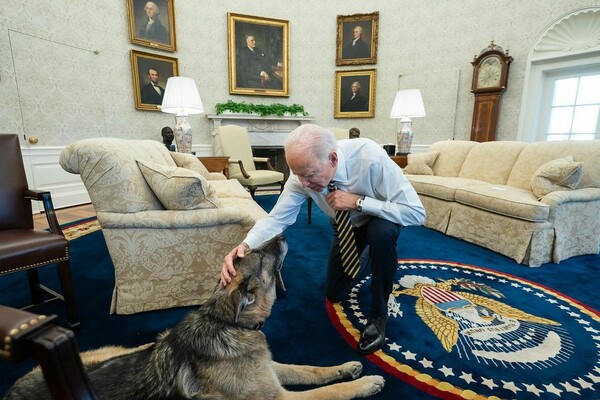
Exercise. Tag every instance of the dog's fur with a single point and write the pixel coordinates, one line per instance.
(215, 352)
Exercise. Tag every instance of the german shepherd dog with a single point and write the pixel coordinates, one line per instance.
(216, 352)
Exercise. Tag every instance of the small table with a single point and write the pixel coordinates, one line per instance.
(402, 161)
(216, 164)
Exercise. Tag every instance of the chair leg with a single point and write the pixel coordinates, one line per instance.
(252, 190)
(34, 286)
(66, 285)
(281, 189)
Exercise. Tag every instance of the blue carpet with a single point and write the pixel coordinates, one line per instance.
(299, 330)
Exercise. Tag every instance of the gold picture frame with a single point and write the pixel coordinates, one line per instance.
(355, 94)
(160, 34)
(357, 37)
(143, 66)
(266, 70)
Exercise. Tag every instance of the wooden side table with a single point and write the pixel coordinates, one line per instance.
(216, 164)
(402, 161)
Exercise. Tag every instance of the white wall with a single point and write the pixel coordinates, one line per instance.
(431, 42)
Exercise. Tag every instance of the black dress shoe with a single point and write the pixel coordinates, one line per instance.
(373, 337)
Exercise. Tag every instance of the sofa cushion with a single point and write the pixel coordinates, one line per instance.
(440, 187)
(504, 200)
(451, 157)
(491, 162)
(190, 161)
(560, 174)
(179, 188)
(420, 164)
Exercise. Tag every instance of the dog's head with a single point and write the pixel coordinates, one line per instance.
(252, 290)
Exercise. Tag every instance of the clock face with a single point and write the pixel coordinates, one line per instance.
(490, 72)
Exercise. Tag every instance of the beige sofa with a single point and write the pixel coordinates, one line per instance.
(166, 220)
(535, 203)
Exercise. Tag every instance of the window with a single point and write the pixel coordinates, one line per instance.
(561, 91)
(572, 107)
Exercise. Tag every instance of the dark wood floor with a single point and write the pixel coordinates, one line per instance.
(66, 215)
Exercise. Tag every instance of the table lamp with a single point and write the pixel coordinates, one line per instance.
(407, 104)
(182, 99)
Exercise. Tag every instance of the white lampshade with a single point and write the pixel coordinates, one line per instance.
(181, 97)
(408, 104)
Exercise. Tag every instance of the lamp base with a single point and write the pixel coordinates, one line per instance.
(403, 154)
(183, 134)
(404, 137)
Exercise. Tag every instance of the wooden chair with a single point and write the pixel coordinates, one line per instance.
(236, 145)
(23, 248)
(25, 335)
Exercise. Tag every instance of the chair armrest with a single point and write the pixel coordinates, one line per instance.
(241, 165)
(46, 198)
(25, 335)
(264, 160)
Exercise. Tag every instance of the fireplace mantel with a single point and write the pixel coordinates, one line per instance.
(263, 132)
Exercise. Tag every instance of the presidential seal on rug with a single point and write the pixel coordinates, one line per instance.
(215, 352)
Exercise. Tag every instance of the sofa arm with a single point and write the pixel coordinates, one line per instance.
(174, 219)
(571, 196)
(216, 176)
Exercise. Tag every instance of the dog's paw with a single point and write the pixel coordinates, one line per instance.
(351, 369)
(371, 385)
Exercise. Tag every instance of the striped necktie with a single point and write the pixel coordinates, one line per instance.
(346, 241)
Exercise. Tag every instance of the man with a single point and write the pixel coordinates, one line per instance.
(357, 48)
(356, 102)
(153, 29)
(253, 66)
(152, 93)
(371, 187)
(168, 136)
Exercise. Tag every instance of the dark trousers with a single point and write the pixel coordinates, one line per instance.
(381, 236)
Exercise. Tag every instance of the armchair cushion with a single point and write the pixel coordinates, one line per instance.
(560, 174)
(421, 164)
(179, 188)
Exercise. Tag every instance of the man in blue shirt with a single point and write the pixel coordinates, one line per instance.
(370, 186)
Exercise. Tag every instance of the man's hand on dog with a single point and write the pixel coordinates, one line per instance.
(227, 270)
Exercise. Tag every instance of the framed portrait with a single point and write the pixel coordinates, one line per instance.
(259, 51)
(357, 39)
(354, 94)
(150, 74)
(152, 23)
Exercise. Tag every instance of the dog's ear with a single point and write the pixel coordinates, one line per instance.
(242, 298)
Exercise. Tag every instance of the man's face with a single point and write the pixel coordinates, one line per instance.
(150, 10)
(310, 171)
(354, 88)
(251, 42)
(357, 32)
(153, 75)
(168, 135)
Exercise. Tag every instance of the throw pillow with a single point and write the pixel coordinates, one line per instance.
(421, 164)
(179, 188)
(559, 174)
(190, 161)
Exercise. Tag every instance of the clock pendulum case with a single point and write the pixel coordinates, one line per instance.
(490, 75)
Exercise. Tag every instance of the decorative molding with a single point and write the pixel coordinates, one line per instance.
(576, 32)
(266, 132)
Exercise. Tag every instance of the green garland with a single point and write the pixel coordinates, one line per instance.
(260, 109)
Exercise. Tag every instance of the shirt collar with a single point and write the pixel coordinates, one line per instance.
(341, 173)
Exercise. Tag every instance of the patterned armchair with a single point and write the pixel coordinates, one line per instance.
(166, 220)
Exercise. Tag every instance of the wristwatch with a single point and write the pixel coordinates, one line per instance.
(359, 203)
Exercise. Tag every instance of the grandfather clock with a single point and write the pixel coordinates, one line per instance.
(490, 75)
